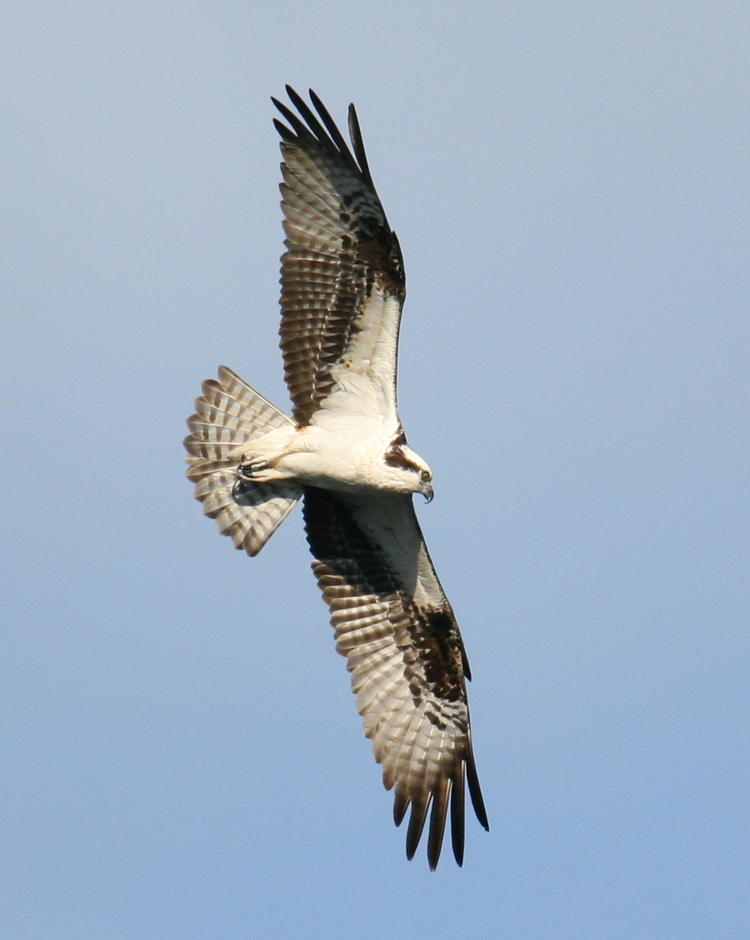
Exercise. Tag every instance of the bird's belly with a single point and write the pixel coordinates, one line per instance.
(332, 461)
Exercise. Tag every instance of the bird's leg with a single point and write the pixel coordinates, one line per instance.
(263, 460)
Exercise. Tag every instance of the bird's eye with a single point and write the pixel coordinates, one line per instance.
(425, 476)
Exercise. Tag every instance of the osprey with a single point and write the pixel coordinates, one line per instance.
(345, 455)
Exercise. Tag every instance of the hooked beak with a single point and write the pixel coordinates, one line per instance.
(427, 492)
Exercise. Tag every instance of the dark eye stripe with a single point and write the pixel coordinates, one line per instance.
(395, 457)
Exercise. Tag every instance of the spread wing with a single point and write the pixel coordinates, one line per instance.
(342, 275)
(395, 626)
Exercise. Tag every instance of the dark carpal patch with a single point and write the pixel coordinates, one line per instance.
(429, 640)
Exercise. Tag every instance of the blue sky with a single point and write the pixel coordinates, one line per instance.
(569, 184)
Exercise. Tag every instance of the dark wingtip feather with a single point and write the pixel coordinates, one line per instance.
(400, 805)
(312, 122)
(416, 825)
(437, 824)
(298, 127)
(330, 125)
(279, 105)
(307, 127)
(357, 142)
(475, 792)
(458, 817)
(283, 130)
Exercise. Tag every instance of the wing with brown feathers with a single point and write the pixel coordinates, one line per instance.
(404, 650)
(342, 275)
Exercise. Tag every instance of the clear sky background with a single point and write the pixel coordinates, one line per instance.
(181, 753)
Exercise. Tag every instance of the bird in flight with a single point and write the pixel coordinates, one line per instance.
(344, 454)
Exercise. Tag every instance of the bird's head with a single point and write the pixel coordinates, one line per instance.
(413, 474)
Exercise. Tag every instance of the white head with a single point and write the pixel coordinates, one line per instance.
(406, 471)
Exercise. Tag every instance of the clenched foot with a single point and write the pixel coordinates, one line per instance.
(251, 471)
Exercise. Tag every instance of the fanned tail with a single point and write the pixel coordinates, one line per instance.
(229, 413)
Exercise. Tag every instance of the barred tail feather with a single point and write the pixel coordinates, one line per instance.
(228, 414)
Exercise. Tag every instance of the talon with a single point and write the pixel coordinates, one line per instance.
(250, 470)
(244, 472)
